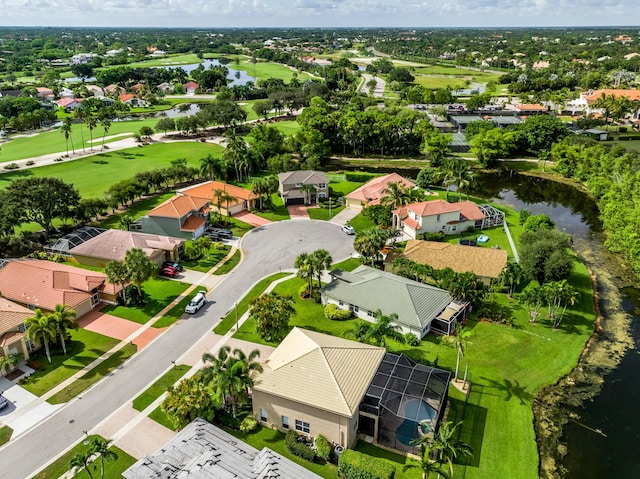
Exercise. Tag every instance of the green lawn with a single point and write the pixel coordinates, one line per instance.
(228, 265)
(243, 305)
(173, 314)
(159, 387)
(160, 293)
(406, 468)
(5, 434)
(161, 418)
(288, 127)
(348, 264)
(321, 212)
(205, 264)
(279, 212)
(84, 347)
(508, 367)
(136, 210)
(92, 176)
(94, 375)
(61, 465)
(238, 228)
(438, 82)
(339, 186)
(361, 222)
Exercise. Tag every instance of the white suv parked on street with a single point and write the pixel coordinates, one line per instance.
(196, 303)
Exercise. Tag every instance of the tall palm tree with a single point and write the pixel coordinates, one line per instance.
(427, 465)
(66, 129)
(65, 319)
(307, 190)
(383, 329)
(304, 263)
(106, 124)
(91, 122)
(448, 447)
(395, 194)
(82, 460)
(460, 341)
(249, 369)
(210, 167)
(102, 447)
(320, 260)
(41, 328)
(220, 197)
(80, 114)
(258, 188)
(235, 151)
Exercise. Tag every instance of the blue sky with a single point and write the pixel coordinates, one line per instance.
(318, 13)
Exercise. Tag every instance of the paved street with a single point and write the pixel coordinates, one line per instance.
(267, 249)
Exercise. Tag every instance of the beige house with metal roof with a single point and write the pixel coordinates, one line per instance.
(486, 263)
(313, 384)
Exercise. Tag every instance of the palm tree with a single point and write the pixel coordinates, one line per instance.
(91, 121)
(8, 363)
(307, 190)
(41, 328)
(66, 129)
(79, 114)
(235, 151)
(447, 448)
(212, 167)
(140, 267)
(258, 188)
(320, 260)
(427, 466)
(102, 447)
(221, 196)
(395, 194)
(65, 319)
(106, 124)
(118, 273)
(460, 341)
(82, 460)
(510, 276)
(383, 329)
(304, 263)
(251, 367)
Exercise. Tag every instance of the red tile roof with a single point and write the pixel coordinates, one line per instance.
(593, 96)
(12, 315)
(205, 190)
(68, 101)
(192, 223)
(531, 107)
(179, 206)
(469, 210)
(372, 191)
(191, 85)
(44, 284)
(126, 97)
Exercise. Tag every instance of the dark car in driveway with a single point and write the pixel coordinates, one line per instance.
(168, 272)
(173, 264)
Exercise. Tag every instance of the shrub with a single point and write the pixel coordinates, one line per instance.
(297, 448)
(358, 177)
(331, 311)
(323, 447)
(355, 465)
(433, 236)
(35, 365)
(248, 424)
(11, 166)
(303, 292)
(524, 216)
(218, 246)
(411, 339)
(30, 163)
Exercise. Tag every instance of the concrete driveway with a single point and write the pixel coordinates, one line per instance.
(250, 218)
(267, 249)
(345, 215)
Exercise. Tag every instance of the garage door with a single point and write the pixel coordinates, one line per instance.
(295, 201)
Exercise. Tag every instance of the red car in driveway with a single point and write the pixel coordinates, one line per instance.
(169, 272)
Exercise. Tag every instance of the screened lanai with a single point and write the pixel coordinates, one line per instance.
(69, 241)
(404, 401)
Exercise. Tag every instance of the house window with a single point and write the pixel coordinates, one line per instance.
(437, 217)
(303, 426)
(370, 314)
(322, 195)
(22, 328)
(29, 344)
(298, 185)
(341, 303)
(263, 415)
(454, 228)
(356, 309)
(322, 186)
(285, 422)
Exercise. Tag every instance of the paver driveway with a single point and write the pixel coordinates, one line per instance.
(298, 212)
(250, 218)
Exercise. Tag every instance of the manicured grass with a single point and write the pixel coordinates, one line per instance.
(5, 434)
(238, 228)
(111, 469)
(360, 223)
(264, 70)
(341, 187)
(159, 416)
(173, 314)
(321, 212)
(274, 440)
(436, 82)
(92, 176)
(243, 305)
(84, 347)
(159, 387)
(94, 375)
(160, 293)
(508, 367)
(288, 127)
(136, 210)
(168, 61)
(279, 212)
(497, 237)
(348, 264)
(406, 468)
(228, 265)
(205, 264)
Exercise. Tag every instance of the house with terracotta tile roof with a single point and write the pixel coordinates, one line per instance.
(69, 104)
(45, 93)
(242, 199)
(12, 329)
(35, 283)
(588, 99)
(181, 216)
(437, 216)
(191, 87)
(132, 100)
(114, 90)
(531, 109)
(486, 263)
(112, 245)
(373, 191)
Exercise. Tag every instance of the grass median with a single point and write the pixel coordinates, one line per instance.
(229, 264)
(159, 387)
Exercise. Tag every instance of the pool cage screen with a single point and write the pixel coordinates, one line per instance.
(64, 245)
(408, 399)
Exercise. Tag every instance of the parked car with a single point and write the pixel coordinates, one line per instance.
(173, 264)
(4, 402)
(169, 272)
(196, 303)
(348, 229)
(212, 235)
(221, 232)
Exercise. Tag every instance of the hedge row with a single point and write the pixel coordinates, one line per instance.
(358, 177)
(297, 448)
(355, 465)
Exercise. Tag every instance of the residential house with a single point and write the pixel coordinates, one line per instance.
(486, 263)
(66, 93)
(180, 216)
(313, 384)
(201, 450)
(588, 99)
(291, 186)
(69, 104)
(531, 109)
(112, 245)
(191, 87)
(318, 384)
(137, 87)
(437, 216)
(366, 290)
(114, 90)
(45, 93)
(132, 100)
(95, 90)
(44, 284)
(241, 198)
(12, 329)
(165, 87)
(82, 58)
(374, 191)
(596, 134)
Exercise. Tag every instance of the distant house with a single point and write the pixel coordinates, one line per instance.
(437, 216)
(180, 217)
(599, 135)
(486, 263)
(373, 191)
(45, 93)
(96, 90)
(132, 100)
(291, 186)
(113, 245)
(191, 87)
(419, 306)
(69, 104)
(44, 284)
(203, 451)
(82, 58)
(242, 199)
(114, 90)
(137, 87)
(165, 87)
(531, 109)
(588, 99)
(12, 329)
(318, 384)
